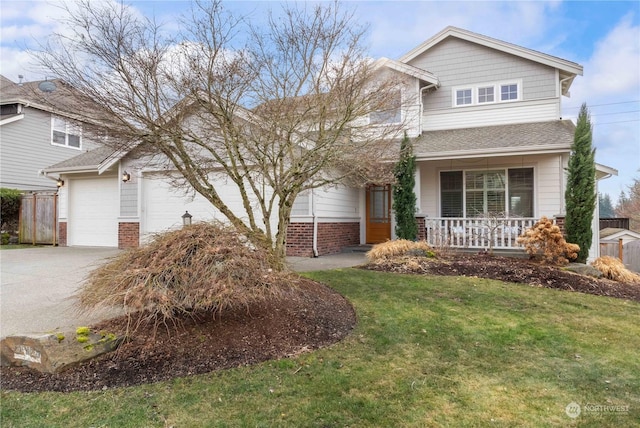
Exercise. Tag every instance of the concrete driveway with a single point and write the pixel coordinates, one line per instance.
(37, 285)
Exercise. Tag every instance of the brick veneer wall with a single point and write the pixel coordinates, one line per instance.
(62, 233)
(332, 237)
(300, 239)
(559, 220)
(128, 235)
(422, 230)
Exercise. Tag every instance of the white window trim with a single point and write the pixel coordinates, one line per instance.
(68, 125)
(517, 82)
(497, 94)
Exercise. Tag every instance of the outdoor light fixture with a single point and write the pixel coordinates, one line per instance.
(59, 182)
(126, 177)
(186, 219)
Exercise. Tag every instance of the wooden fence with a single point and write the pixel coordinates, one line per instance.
(630, 253)
(38, 218)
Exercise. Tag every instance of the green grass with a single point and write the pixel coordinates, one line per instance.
(428, 351)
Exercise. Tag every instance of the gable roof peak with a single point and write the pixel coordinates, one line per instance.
(568, 68)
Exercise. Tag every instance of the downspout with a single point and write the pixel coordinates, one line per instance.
(315, 224)
(560, 95)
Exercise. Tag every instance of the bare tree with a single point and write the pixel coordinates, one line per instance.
(277, 110)
(629, 206)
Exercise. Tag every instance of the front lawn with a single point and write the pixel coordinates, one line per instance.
(428, 351)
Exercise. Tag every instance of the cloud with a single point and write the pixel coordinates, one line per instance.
(523, 23)
(613, 71)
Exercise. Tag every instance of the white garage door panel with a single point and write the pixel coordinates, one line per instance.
(164, 205)
(93, 213)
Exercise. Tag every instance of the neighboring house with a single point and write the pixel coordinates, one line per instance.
(37, 129)
(613, 235)
(491, 147)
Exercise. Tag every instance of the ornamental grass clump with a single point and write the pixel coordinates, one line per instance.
(203, 268)
(614, 269)
(399, 247)
(544, 242)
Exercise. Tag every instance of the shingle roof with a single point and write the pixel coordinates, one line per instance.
(557, 135)
(63, 100)
(89, 160)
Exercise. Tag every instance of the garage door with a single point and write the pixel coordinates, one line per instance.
(164, 204)
(93, 212)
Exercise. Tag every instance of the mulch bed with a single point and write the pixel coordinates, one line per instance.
(510, 269)
(311, 317)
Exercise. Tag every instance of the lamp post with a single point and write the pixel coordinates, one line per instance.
(186, 219)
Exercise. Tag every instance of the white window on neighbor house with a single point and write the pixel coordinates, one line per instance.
(486, 94)
(65, 133)
(477, 193)
(509, 92)
(391, 112)
(464, 97)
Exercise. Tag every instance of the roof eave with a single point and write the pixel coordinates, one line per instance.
(504, 151)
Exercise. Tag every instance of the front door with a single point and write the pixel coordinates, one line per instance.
(378, 213)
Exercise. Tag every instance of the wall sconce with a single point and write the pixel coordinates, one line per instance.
(59, 182)
(126, 177)
(186, 219)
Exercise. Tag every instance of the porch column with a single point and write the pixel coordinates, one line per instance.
(416, 187)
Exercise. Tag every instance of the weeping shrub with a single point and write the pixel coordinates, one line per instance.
(200, 268)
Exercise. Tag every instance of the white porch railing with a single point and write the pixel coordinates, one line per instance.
(476, 232)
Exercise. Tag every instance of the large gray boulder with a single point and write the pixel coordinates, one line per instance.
(54, 352)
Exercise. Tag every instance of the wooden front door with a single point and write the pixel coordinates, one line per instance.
(378, 213)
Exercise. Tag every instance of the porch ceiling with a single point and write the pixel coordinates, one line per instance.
(538, 137)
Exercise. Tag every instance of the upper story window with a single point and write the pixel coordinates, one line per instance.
(487, 93)
(509, 92)
(463, 97)
(65, 133)
(391, 113)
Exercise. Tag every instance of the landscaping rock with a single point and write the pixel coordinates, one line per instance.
(54, 352)
(584, 270)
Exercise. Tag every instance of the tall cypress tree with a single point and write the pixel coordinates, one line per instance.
(404, 197)
(580, 196)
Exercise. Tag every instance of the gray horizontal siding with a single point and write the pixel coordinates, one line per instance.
(458, 62)
(25, 148)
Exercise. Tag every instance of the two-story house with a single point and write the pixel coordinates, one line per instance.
(37, 129)
(491, 146)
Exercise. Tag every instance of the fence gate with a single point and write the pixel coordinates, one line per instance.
(39, 218)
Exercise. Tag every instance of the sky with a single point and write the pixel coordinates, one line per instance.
(602, 36)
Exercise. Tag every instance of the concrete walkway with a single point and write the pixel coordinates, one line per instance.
(37, 285)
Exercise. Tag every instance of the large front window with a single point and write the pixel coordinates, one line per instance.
(476, 193)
